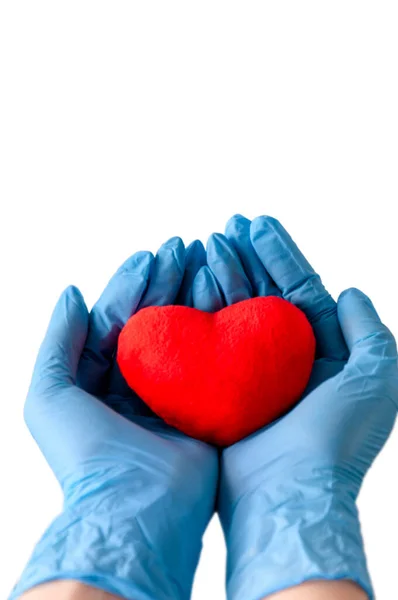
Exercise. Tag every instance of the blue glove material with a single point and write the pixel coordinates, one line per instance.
(195, 258)
(287, 499)
(237, 232)
(206, 294)
(138, 494)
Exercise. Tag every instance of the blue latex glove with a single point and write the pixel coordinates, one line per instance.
(138, 494)
(288, 493)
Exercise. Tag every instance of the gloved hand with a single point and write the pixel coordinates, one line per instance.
(288, 493)
(138, 494)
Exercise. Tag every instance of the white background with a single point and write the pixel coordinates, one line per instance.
(124, 123)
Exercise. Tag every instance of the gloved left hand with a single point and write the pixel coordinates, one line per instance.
(138, 494)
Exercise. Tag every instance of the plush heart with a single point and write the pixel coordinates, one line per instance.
(218, 376)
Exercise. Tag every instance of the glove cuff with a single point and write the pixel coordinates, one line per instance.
(114, 556)
(301, 539)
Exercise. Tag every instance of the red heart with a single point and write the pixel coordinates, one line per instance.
(218, 376)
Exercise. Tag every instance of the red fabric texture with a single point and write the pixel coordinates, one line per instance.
(218, 376)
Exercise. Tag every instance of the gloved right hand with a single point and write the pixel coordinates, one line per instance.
(288, 492)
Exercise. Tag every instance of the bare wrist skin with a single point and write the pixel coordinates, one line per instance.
(322, 590)
(67, 590)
